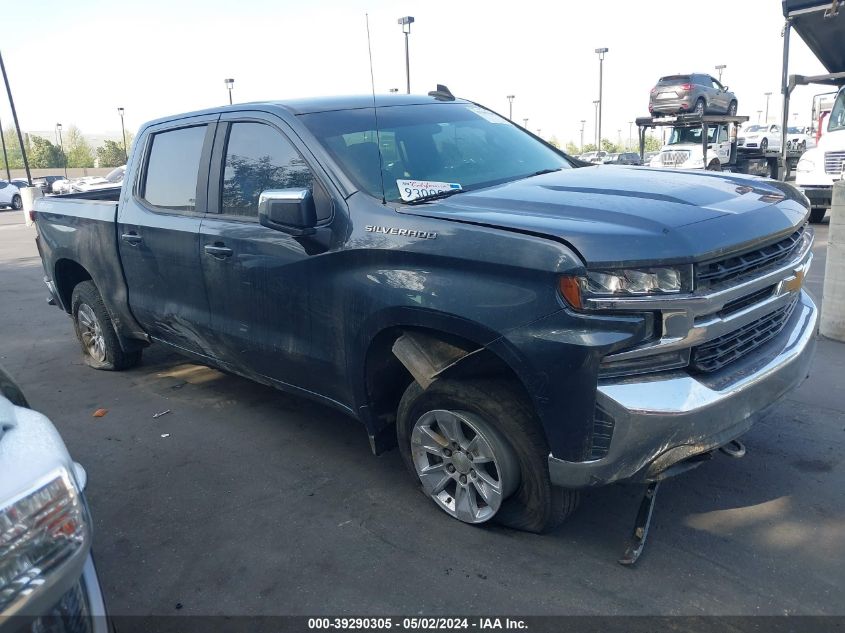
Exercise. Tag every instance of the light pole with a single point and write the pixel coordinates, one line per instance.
(583, 121)
(5, 156)
(759, 112)
(394, 90)
(62, 147)
(230, 83)
(15, 120)
(123, 130)
(596, 104)
(510, 106)
(630, 141)
(406, 23)
(720, 68)
(600, 52)
(525, 123)
(768, 94)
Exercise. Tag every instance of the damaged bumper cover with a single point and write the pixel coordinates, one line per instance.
(662, 420)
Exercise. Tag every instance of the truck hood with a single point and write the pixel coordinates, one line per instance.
(633, 215)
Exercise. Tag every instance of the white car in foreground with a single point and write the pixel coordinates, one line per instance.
(10, 194)
(47, 575)
(762, 137)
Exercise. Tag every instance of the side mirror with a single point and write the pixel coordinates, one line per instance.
(288, 210)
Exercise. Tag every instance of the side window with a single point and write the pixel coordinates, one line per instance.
(716, 85)
(258, 158)
(723, 135)
(170, 181)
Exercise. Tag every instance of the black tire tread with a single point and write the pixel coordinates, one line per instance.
(536, 506)
(116, 358)
(817, 215)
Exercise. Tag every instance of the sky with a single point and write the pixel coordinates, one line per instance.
(77, 62)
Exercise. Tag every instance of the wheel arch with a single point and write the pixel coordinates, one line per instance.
(456, 351)
(67, 274)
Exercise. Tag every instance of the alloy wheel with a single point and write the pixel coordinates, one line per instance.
(91, 333)
(464, 464)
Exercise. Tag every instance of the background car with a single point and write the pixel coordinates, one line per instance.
(113, 179)
(46, 182)
(799, 138)
(623, 158)
(697, 93)
(10, 195)
(762, 137)
(593, 157)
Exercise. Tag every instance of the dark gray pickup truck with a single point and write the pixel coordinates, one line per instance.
(523, 325)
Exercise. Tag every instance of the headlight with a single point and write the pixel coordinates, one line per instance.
(39, 531)
(805, 164)
(622, 283)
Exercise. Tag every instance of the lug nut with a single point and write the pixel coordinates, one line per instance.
(447, 452)
(450, 468)
(472, 474)
(463, 479)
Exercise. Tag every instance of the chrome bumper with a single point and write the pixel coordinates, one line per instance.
(664, 419)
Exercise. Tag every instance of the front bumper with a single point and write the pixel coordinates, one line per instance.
(820, 197)
(666, 419)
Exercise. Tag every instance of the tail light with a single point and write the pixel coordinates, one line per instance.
(686, 86)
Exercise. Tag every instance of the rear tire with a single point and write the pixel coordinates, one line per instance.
(700, 107)
(95, 331)
(17, 203)
(817, 215)
(535, 505)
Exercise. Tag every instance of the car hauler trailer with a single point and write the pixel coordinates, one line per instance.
(719, 149)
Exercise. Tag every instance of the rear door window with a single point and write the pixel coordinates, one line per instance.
(170, 178)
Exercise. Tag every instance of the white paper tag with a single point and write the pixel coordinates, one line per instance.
(492, 117)
(413, 189)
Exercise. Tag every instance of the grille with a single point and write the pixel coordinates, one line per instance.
(717, 353)
(676, 157)
(603, 425)
(833, 162)
(729, 268)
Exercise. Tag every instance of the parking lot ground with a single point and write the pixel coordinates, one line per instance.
(244, 500)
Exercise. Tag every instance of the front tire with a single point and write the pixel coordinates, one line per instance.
(714, 165)
(700, 107)
(95, 331)
(455, 428)
(764, 145)
(732, 108)
(17, 203)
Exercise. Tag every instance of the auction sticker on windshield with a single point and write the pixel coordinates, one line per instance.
(413, 189)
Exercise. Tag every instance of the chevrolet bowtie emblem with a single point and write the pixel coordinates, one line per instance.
(794, 283)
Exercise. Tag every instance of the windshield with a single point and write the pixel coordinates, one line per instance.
(755, 128)
(439, 143)
(795, 130)
(837, 115)
(674, 79)
(691, 135)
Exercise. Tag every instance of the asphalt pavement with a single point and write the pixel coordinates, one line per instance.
(244, 500)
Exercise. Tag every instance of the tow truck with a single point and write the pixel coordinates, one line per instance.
(710, 142)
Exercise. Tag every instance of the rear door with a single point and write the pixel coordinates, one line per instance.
(158, 233)
(258, 280)
(720, 96)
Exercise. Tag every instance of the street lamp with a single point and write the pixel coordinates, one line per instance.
(596, 104)
(406, 23)
(600, 52)
(768, 94)
(62, 147)
(583, 121)
(510, 106)
(525, 123)
(394, 90)
(630, 141)
(720, 68)
(230, 83)
(759, 112)
(123, 130)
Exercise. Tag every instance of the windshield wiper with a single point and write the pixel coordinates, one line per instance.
(435, 196)
(544, 171)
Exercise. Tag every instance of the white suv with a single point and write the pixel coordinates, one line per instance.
(823, 165)
(684, 151)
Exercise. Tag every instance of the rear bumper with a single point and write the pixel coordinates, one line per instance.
(663, 420)
(671, 106)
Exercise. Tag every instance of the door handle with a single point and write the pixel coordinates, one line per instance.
(218, 251)
(132, 238)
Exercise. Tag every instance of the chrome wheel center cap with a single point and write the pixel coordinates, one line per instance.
(461, 462)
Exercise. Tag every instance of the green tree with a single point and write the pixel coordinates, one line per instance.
(13, 149)
(42, 153)
(572, 149)
(110, 154)
(589, 147)
(77, 150)
(652, 144)
(609, 146)
(554, 141)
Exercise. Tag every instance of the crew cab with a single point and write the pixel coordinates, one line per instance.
(823, 165)
(522, 327)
